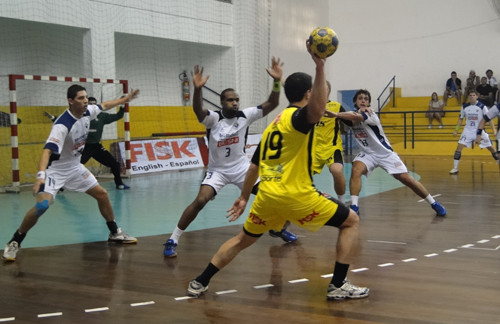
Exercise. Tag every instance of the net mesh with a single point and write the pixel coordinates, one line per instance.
(149, 43)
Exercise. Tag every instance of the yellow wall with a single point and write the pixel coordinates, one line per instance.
(35, 127)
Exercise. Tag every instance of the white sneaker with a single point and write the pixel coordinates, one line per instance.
(195, 288)
(430, 127)
(440, 126)
(121, 237)
(348, 290)
(453, 171)
(11, 249)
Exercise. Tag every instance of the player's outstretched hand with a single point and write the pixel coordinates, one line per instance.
(238, 208)
(198, 79)
(276, 70)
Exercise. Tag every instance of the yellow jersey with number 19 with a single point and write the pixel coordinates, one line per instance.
(285, 157)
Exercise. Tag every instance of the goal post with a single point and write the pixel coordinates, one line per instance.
(13, 80)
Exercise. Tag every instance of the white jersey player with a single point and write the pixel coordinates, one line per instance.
(376, 151)
(60, 166)
(226, 132)
(473, 113)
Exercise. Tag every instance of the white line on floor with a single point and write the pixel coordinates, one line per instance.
(430, 255)
(383, 265)
(231, 291)
(184, 297)
(263, 286)
(387, 242)
(409, 260)
(298, 280)
(99, 309)
(142, 304)
(50, 315)
(359, 270)
(7, 319)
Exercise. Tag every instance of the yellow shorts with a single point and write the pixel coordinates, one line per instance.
(309, 210)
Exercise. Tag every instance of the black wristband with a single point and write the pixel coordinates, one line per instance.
(479, 131)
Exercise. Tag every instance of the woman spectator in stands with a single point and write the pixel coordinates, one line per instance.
(436, 110)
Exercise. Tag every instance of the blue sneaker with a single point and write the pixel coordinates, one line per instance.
(285, 235)
(440, 210)
(169, 250)
(122, 187)
(355, 208)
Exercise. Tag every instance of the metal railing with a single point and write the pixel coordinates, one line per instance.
(392, 92)
(410, 129)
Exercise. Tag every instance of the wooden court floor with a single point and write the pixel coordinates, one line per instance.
(420, 268)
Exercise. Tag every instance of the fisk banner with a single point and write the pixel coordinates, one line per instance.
(163, 155)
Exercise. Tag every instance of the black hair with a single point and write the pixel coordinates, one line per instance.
(92, 99)
(73, 90)
(223, 94)
(360, 92)
(296, 86)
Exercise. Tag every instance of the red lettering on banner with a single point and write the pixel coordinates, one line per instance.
(308, 218)
(182, 149)
(163, 147)
(150, 152)
(161, 150)
(228, 141)
(256, 219)
(135, 149)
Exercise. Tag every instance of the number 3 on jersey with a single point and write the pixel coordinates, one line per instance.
(272, 146)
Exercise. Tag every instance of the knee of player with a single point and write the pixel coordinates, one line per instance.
(41, 207)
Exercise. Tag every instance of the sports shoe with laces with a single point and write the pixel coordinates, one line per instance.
(195, 288)
(348, 290)
(121, 237)
(10, 252)
(453, 171)
(169, 250)
(440, 210)
(355, 208)
(122, 187)
(285, 235)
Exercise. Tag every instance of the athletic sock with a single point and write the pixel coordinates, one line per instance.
(176, 234)
(18, 237)
(354, 200)
(430, 199)
(113, 228)
(341, 198)
(207, 274)
(339, 274)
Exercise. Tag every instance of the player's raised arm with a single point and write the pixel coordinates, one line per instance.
(276, 72)
(319, 92)
(198, 82)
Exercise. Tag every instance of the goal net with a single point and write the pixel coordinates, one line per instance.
(32, 100)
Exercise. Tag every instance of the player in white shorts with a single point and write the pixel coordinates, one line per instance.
(488, 117)
(376, 151)
(473, 113)
(227, 131)
(60, 166)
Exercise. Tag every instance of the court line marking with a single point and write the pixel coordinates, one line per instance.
(450, 250)
(98, 309)
(50, 314)
(224, 292)
(184, 297)
(487, 249)
(384, 265)
(263, 286)
(298, 280)
(142, 303)
(483, 241)
(409, 260)
(430, 255)
(7, 319)
(387, 242)
(433, 196)
(360, 270)
(329, 275)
